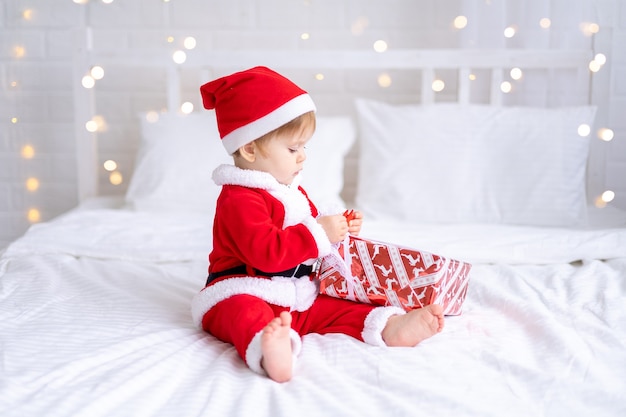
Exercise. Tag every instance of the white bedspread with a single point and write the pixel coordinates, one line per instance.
(95, 321)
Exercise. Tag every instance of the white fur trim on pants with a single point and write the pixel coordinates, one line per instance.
(296, 293)
(254, 354)
(375, 322)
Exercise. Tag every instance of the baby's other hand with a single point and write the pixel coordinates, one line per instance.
(335, 226)
(355, 220)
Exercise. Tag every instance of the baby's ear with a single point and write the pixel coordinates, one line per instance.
(248, 152)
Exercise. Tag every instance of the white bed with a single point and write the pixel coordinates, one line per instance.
(95, 305)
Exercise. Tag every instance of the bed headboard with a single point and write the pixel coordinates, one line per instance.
(426, 65)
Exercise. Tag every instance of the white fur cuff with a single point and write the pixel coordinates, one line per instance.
(376, 321)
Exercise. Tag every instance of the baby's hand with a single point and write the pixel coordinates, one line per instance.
(335, 226)
(355, 220)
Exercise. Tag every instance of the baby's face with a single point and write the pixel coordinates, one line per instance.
(284, 156)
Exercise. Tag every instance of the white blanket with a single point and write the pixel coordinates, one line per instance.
(94, 321)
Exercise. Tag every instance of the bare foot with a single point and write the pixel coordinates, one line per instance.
(411, 328)
(276, 348)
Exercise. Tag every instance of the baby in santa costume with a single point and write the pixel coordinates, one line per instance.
(267, 236)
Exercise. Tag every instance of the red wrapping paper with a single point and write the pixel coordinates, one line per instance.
(384, 274)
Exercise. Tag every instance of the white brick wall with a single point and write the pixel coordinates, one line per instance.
(42, 98)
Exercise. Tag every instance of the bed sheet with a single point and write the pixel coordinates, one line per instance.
(95, 321)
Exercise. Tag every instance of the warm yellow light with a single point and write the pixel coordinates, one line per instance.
(116, 178)
(384, 80)
(170, 39)
(28, 152)
(589, 29)
(600, 59)
(516, 73)
(506, 87)
(460, 22)
(110, 165)
(509, 32)
(584, 130)
(594, 66)
(33, 215)
(359, 25)
(27, 14)
(152, 116)
(97, 72)
(189, 42)
(14, 120)
(606, 134)
(91, 126)
(438, 85)
(186, 107)
(607, 196)
(14, 84)
(88, 81)
(179, 57)
(380, 46)
(545, 23)
(319, 76)
(32, 184)
(305, 36)
(472, 77)
(19, 51)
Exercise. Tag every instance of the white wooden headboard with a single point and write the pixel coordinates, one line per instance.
(427, 62)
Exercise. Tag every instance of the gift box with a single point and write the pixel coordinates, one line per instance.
(385, 274)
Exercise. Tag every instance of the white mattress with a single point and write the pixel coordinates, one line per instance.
(95, 321)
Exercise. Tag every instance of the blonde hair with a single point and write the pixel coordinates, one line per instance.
(299, 124)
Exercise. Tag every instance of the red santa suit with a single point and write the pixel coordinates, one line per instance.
(263, 231)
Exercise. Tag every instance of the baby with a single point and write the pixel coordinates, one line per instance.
(260, 295)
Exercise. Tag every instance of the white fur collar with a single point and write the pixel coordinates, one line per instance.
(296, 205)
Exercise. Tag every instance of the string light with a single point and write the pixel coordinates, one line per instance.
(380, 46)
(19, 51)
(189, 42)
(509, 32)
(32, 184)
(33, 215)
(460, 22)
(186, 107)
(359, 25)
(110, 165)
(28, 152)
(88, 81)
(384, 80)
(91, 126)
(506, 87)
(152, 117)
(116, 178)
(319, 76)
(179, 57)
(97, 72)
(516, 73)
(545, 23)
(584, 130)
(305, 36)
(438, 85)
(606, 134)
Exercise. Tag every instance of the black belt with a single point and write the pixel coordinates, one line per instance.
(297, 272)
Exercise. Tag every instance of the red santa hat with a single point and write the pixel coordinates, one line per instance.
(251, 103)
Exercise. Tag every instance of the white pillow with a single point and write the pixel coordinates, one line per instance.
(178, 154)
(451, 163)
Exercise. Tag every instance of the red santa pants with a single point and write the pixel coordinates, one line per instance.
(239, 318)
